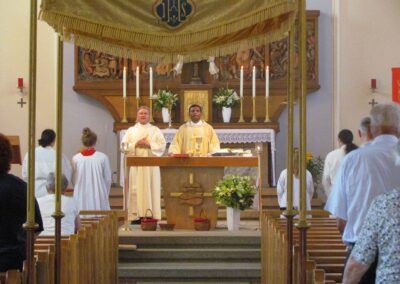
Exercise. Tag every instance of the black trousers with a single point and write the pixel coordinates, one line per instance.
(369, 276)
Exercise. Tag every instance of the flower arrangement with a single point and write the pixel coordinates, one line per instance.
(235, 191)
(226, 97)
(164, 98)
(315, 166)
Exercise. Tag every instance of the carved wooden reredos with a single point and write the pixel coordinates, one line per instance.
(99, 75)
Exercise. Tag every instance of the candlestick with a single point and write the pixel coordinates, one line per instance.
(254, 82)
(124, 113)
(241, 119)
(124, 82)
(267, 81)
(137, 82)
(20, 83)
(254, 110)
(266, 110)
(241, 82)
(151, 94)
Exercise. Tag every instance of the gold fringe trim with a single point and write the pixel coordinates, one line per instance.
(172, 57)
(62, 22)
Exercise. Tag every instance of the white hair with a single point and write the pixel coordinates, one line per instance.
(385, 119)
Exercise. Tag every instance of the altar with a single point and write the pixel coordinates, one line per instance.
(187, 184)
(233, 136)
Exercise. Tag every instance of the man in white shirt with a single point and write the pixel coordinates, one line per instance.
(70, 223)
(365, 174)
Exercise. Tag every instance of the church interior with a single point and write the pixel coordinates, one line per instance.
(350, 52)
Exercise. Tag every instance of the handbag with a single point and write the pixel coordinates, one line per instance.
(148, 223)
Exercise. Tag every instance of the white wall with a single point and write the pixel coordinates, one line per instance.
(14, 58)
(319, 103)
(367, 47)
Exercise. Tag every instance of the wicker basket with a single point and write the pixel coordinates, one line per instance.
(148, 223)
(202, 223)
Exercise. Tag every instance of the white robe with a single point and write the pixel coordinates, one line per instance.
(45, 163)
(282, 190)
(144, 182)
(92, 181)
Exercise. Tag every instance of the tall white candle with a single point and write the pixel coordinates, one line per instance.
(124, 83)
(137, 82)
(241, 81)
(254, 82)
(151, 82)
(267, 81)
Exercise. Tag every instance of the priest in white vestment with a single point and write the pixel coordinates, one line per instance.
(196, 136)
(45, 162)
(144, 140)
(92, 175)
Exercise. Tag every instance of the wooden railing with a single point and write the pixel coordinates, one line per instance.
(325, 250)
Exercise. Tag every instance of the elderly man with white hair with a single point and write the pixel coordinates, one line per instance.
(365, 174)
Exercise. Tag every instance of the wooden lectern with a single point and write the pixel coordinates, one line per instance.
(187, 184)
(16, 150)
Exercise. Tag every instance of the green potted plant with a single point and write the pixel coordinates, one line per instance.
(226, 98)
(165, 100)
(236, 193)
(315, 165)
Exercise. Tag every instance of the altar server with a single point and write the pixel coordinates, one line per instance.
(45, 162)
(144, 140)
(92, 175)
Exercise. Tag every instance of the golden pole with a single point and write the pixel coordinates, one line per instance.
(302, 224)
(254, 119)
(30, 224)
(151, 108)
(266, 109)
(124, 114)
(259, 150)
(289, 212)
(58, 214)
(241, 119)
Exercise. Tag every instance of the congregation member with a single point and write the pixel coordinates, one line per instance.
(144, 140)
(379, 238)
(333, 159)
(45, 162)
(282, 185)
(365, 174)
(195, 136)
(364, 131)
(70, 223)
(91, 175)
(13, 199)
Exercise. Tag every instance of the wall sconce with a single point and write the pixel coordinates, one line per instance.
(373, 85)
(21, 86)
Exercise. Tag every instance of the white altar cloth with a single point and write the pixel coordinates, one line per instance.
(225, 136)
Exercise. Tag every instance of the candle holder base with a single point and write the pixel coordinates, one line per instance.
(124, 120)
(241, 120)
(267, 120)
(254, 120)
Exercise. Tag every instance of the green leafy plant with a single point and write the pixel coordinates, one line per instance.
(226, 97)
(235, 191)
(164, 98)
(316, 167)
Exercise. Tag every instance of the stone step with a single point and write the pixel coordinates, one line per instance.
(201, 239)
(194, 271)
(190, 255)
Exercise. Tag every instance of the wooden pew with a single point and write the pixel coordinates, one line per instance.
(11, 277)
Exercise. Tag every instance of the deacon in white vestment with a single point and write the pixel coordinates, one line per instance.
(45, 162)
(92, 175)
(195, 136)
(144, 140)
